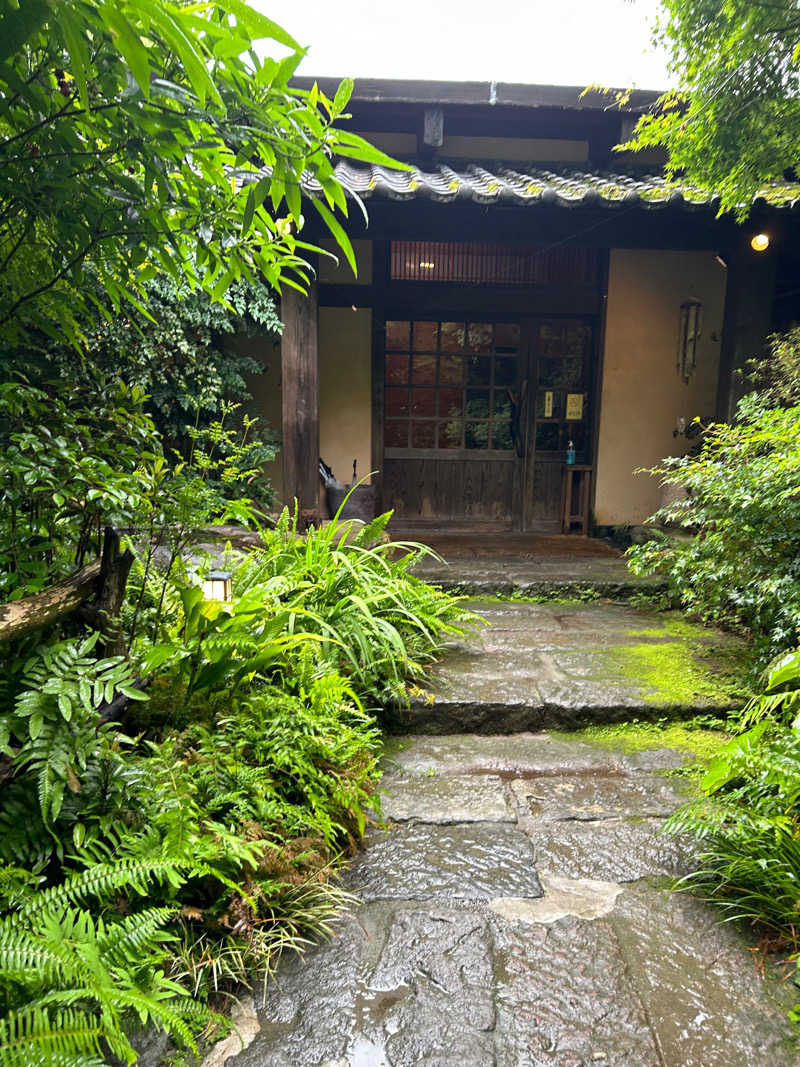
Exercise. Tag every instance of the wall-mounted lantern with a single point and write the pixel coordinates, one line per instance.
(218, 585)
(689, 330)
(759, 242)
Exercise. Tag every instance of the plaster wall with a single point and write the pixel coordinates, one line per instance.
(345, 390)
(642, 394)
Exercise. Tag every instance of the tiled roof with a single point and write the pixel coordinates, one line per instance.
(504, 185)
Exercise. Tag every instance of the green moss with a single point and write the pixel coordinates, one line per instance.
(695, 736)
(677, 662)
(671, 672)
(671, 624)
(576, 598)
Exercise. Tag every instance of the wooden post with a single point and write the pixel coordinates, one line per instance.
(747, 322)
(115, 567)
(300, 399)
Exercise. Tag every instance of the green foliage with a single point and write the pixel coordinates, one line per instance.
(749, 823)
(144, 137)
(742, 567)
(69, 454)
(376, 622)
(734, 121)
(777, 377)
(256, 772)
(175, 350)
(86, 456)
(748, 818)
(71, 980)
(55, 721)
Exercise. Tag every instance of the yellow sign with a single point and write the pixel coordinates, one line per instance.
(548, 405)
(574, 407)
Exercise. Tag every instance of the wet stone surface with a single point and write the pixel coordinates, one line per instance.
(475, 861)
(699, 983)
(586, 799)
(538, 576)
(563, 665)
(613, 850)
(564, 997)
(442, 800)
(536, 942)
(522, 755)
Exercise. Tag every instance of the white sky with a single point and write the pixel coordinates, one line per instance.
(558, 42)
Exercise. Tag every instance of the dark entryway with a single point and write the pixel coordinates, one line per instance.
(478, 415)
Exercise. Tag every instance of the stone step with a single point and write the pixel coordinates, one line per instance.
(545, 576)
(564, 665)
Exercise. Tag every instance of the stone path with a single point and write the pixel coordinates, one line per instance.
(514, 913)
(508, 564)
(567, 663)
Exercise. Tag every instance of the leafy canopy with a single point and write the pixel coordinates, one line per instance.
(146, 136)
(734, 121)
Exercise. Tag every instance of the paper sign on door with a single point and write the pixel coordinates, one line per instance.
(574, 407)
(548, 404)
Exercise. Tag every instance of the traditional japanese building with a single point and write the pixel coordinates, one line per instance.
(522, 288)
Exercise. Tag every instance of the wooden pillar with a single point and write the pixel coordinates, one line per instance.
(747, 322)
(300, 398)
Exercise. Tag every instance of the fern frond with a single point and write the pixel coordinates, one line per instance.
(123, 942)
(35, 1036)
(100, 880)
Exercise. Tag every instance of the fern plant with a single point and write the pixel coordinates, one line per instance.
(375, 621)
(73, 982)
(55, 717)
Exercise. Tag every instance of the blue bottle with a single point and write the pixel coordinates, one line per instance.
(570, 454)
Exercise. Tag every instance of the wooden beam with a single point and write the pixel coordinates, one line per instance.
(543, 225)
(300, 398)
(32, 612)
(423, 298)
(599, 355)
(381, 257)
(433, 127)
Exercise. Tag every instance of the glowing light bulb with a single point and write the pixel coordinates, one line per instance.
(759, 243)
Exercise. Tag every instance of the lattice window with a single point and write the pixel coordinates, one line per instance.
(448, 385)
(492, 264)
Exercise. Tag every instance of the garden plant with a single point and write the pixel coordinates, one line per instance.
(740, 568)
(179, 781)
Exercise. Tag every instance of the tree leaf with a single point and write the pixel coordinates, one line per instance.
(338, 233)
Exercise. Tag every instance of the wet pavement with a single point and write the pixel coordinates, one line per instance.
(506, 564)
(566, 663)
(513, 915)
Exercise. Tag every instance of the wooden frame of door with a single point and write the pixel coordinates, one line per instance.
(408, 300)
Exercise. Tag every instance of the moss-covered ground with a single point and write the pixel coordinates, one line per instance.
(700, 736)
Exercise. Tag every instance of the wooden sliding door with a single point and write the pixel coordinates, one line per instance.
(450, 388)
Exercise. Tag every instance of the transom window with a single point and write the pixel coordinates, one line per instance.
(448, 385)
(480, 262)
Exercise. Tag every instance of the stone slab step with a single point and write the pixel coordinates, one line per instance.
(565, 665)
(540, 577)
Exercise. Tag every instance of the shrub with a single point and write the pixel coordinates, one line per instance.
(741, 567)
(254, 772)
(748, 818)
(375, 622)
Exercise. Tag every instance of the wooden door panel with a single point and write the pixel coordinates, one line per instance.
(450, 489)
(546, 506)
(559, 368)
(448, 425)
